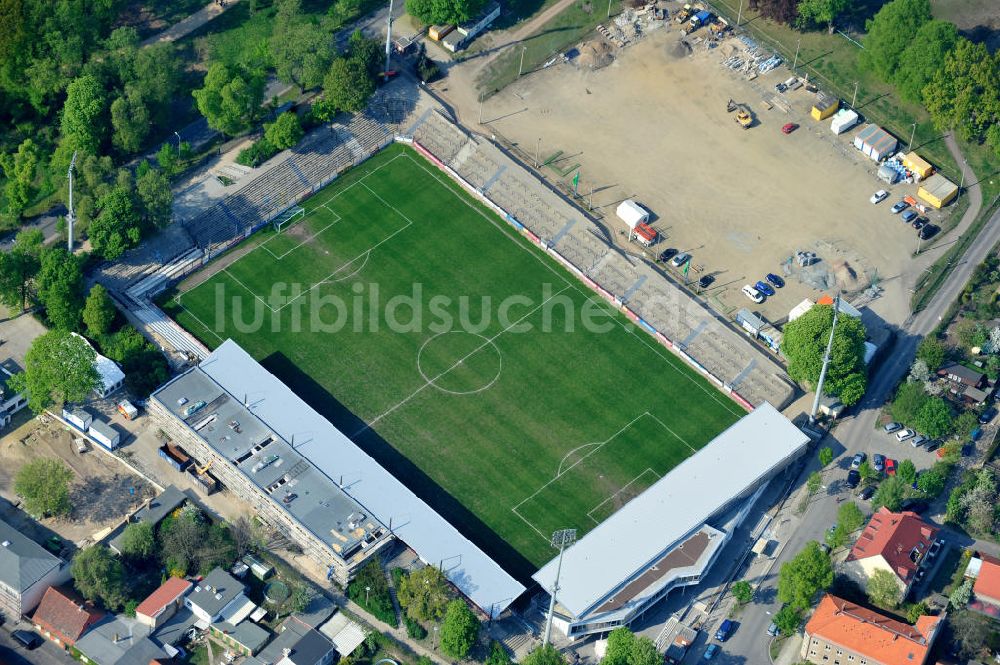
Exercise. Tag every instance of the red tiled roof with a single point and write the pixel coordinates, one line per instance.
(168, 592)
(987, 585)
(895, 537)
(870, 634)
(64, 616)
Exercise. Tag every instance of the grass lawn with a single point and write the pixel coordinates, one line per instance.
(495, 403)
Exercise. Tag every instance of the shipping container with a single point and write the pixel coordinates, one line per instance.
(436, 32)
(824, 106)
(175, 456)
(104, 434)
(78, 417)
(938, 190)
(126, 408)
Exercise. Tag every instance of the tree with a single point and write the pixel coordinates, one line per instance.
(919, 372)
(116, 227)
(850, 516)
(143, 363)
(138, 540)
(368, 52)
(98, 312)
(932, 352)
(300, 47)
(909, 399)
(443, 11)
(819, 12)
(804, 344)
(803, 576)
(979, 502)
(247, 535)
(424, 594)
(837, 537)
(883, 589)
(43, 483)
(932, 481)
(964, 93)
(460, 630)
(99, 575)
(130, 121)
(544, 655)
(825, 456)
(934, 418)
(230, 98)
(922, 58)
(60, 287)
(867, 472)
(915, 611)
(58, 368)
(153, 190)
(498, 655)
(814, 482)
(347, 86)
(787, 619)
(965, 423)
(907, 472)
(889, 494)
(284, 132)
(20, 170)
(83, 121)
(970, 632)
(742, 592)
(961, 595)
(18, 267)
(889, 33)
(625, 648)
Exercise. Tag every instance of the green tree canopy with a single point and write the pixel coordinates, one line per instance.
(100, 576)
(43, 483)
(803, 576)
(909, 399)
(889, 494)
(153, 190)
(138, 540)
(424, 594)
(964, 93)
(907, 472)
(850, 516)
(58, 368)
(498, 655)
(932, 352)
(230, 98)
(934, 418)
(18, 267)
(444, 11)
(544, 655)
(117, 226)
(821, 12)
(20, 170)
(787, 619)
(460, 630)
(98, 312)
(742, 591)
(804, 344)
(83, 120)
(889, 33)
(626, 648)
(883, 589)
(130, 121)
(347, 86)
(933, 481)
(284, 132)
(921, 59)
(300, 47)
(60, 287)
(825, 456)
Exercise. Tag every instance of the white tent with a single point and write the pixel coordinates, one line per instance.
(632, 213)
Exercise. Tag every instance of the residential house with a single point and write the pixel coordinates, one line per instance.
(896, 542)
(26, 571)
(985, 570)
(63, 618)
(246, 637)
(163, 603)
(10, 401)
(842, 633)
(120, 640)
(297, 643)
(971, 385)
(219, 598)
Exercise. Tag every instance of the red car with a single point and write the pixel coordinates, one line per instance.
(890, 467)
(789, 128)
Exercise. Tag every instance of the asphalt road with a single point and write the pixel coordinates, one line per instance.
(12, 653)
(857, 433)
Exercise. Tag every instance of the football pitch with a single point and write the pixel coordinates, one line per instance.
(474, 367)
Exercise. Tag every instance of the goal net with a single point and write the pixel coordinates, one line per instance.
(284, 218)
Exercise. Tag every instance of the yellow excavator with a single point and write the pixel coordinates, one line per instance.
(743, 116)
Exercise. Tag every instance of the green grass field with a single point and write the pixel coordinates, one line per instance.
(510, 432)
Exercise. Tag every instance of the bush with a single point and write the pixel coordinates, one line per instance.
(413, 628)
(376, 600)
(259, 152)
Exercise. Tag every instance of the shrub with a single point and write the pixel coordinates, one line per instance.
(413, 628)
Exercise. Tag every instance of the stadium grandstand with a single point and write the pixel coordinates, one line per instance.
(670, 535)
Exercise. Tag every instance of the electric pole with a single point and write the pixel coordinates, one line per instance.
(70, 217)
(388, 40)
(561, 539)
(826, 362)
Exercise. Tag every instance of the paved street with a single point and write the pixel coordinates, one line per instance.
(12, 653)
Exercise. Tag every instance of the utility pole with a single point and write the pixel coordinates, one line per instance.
(826, 361)
(388, 40)
(538, 145)
(561, 539)
(961, 184)
(520, 67)
(912, 135)
(480, 108)
(855, 97)
(796, 61)
(70, 216)
(739, 14)
(609, 8)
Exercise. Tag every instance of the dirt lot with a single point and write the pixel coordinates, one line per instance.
(653, 126)
(103, 493)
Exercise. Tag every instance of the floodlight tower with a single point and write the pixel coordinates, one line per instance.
(561, 539)
(826, 361)
(70, 217)
(388, 40)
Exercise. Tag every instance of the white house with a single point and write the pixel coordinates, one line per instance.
(219, 598)
(10, 402)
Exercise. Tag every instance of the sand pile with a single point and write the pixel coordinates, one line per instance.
(679, 49)
(595, 54)
(846, 276)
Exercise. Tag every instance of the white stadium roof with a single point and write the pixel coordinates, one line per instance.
(435, 540)
(627, 543)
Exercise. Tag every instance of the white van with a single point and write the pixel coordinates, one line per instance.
(753, 294)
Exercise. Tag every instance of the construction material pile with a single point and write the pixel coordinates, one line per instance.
(750, 59)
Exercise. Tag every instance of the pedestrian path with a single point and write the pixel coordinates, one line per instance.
(182, 28)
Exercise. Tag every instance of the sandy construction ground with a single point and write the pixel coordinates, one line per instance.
(653, 126)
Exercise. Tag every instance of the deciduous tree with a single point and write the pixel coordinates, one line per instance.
(347, 86)
(153, 189)
(742, 592)
(626, 648)
(99, 575)
(444, 11)
(934, 418)
(116, 227)
(907, 472)
(883, 589)
(909, 399)
(98, 312)
(424, 594)
(932, 481)
(20, 170)
(300, 47)
(825, 456)
(820, 12)
(890, 32)
(787, 619)
(43, 483)
(803, 576)
(58, 368)
(60, 287)
(804, 345)
(889, 494)
(84, 121)
(18, 267)
(138, 540)
(922, 58)
(460, 630)
(932, 352)
(284, 132)
(964, 93)
(130, 121)
(230, 98)
(850, 516)
(544, 655)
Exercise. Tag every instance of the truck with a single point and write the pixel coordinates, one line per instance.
(127, 410)
(683, 14)
(700, 19)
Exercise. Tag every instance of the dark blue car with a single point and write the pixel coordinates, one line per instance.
(775, 281)
(764, 288)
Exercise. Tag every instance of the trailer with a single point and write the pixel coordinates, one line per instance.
(645, 234)
(104, 434)
(78, 417)
(128, 410)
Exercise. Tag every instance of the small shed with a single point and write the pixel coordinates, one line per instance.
(824, 106)
(104, 434)
(260, 568)
(831, 406)
(78, 417)
(938, 191)
(843, 120)
(750, 322)
(632, 213)
(453, 41)
(918, 165)
(875, 142)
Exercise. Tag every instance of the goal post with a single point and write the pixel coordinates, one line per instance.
(284, 218)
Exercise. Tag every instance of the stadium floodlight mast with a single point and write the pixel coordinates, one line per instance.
(70, 217)
(560, 539)
(826, 361)
(388, 40)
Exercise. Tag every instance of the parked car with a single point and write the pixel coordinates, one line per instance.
(752, 294)
(764, 288)
(711, 651)
(904, 434)
(667, 254)
(899, 207)
(725, 629)
(858, 460)
(892, 427)
(919, 223)
(772, 630)
(288, 498)
(918, 440)
(909, 216)
(867, 493)
(775, 281)
(976, 434)
(878, 462)
(706, 281)
(986, 416)
(929, 231)
(917, 506)
(890, 467)
(789, 127)
(933, 445)
(879, 196)
(780, 87)
(27, 638)
(680, 259)
(853, 478)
